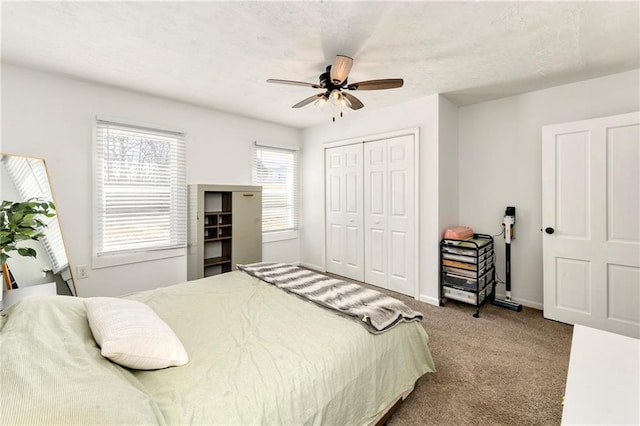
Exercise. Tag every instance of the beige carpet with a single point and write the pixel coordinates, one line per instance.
(504, 368)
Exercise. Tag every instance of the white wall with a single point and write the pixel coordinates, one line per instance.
(52, 117)
(497, 163)
(423, 114)
(447, 164)
(500, 164)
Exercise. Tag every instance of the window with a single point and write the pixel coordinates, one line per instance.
(140, 192)
(276, 170)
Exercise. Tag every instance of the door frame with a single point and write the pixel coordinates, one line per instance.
(415, 132)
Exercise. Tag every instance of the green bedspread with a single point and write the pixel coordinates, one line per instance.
(257, 356)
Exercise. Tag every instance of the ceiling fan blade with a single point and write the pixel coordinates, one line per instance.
(294, 83)
(308, 100)
(387, 83)
(340, 69)
(353, 101)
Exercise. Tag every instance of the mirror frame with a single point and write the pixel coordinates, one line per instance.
(72, 288)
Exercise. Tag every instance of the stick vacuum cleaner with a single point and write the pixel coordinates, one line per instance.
(508, 221)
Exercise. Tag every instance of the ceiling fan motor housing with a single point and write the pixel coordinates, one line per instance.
(326, 83)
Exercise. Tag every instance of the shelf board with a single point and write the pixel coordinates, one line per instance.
(213, 261)
(215, 213)
(210, 240)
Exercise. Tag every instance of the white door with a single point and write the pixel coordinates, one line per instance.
(591, 223)
(343, 204)
(389, 235)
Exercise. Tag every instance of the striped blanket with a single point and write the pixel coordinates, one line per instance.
(375, 311)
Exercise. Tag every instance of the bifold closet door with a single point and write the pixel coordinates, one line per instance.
(344, 217)
(389, 233)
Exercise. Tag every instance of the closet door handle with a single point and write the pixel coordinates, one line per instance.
(549, 230)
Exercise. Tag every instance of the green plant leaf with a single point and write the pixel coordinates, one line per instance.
(27, 252)
(22, 221)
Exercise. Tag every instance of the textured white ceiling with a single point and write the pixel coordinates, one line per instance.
(219, 54)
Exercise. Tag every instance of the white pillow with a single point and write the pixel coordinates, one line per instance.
(130, 333)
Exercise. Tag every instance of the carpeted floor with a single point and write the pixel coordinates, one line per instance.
(504, 368)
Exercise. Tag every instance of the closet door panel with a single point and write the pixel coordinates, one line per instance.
(352, 192)
(400, 223)
(344, 205)
(376, 259)
(398, 245)
(376, 192)
(353, 237)
(352, 248)
(334, 194)
(334, 244)
(398, 204)
(333, 202)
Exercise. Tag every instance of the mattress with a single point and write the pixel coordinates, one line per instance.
(257, 355)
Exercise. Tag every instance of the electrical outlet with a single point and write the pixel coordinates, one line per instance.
(82, 271)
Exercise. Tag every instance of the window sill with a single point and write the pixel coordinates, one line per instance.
(272, 237)
(125, 259)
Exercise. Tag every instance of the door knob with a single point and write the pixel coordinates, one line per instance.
(549, 230)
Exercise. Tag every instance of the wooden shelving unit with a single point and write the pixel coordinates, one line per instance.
(224, 228)
(218, 232)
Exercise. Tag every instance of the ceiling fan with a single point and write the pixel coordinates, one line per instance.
(334, 84)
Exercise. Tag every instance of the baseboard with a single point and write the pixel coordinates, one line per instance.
(523, 302)
(309, 266)
(430, 300)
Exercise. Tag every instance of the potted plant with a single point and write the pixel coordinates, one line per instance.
(22, 221)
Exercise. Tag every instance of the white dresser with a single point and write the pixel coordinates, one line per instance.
(603, 383)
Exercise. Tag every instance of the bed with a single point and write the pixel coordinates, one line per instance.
(257, 355)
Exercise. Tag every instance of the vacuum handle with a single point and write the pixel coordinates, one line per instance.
(549, 230)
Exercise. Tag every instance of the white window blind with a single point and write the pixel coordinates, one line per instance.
(276, 170)
(29, 177)
(140, 189)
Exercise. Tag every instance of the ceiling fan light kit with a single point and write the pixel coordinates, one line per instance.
(321, 102)
(334, 81)
(340, 69)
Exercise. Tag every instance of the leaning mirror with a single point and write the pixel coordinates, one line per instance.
(34, 260)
